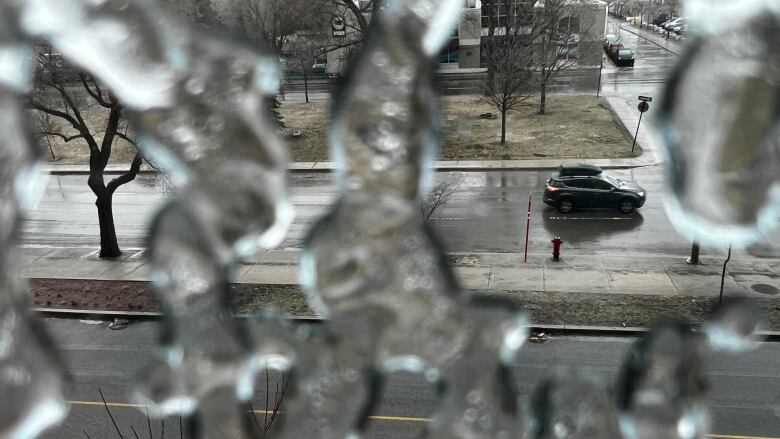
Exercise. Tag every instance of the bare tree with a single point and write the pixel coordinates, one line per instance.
(57, 96)
(510, 80)
(438, 196)
(670, 7)
(558, 31)
(276, 21)
(42, 124)
(358, 11)
(303, 53)
(357, 17)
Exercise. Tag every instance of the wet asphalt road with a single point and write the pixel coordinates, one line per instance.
(744, 387)
(486, 213)
(652, 65)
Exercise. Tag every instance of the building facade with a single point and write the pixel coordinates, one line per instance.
(466, 47)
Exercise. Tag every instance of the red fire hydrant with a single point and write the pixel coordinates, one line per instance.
(556, 242)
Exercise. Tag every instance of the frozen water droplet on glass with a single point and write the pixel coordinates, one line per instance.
(662, 391)
(479, 398)
(125, 44)
(735, 323)
(373, 252)
(720, 128)
(31, 391)
(572, 405)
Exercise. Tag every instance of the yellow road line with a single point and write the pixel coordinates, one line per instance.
(731, 436)
(383, 418)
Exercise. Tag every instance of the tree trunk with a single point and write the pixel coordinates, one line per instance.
(543, 95)
(306, 85)
(109, 247)
(694, 259)
(503, 127)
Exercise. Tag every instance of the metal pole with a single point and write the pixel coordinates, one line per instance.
(527, 229)
(601, 67)
(637, 131)
(723, 276)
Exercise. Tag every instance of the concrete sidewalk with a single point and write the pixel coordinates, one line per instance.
(663, 276)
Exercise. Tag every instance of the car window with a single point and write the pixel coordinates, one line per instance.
(581, 183)
(601, 185)
(610, 180)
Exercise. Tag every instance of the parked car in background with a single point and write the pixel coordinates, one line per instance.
(680, 27)
(609, 40)
(671, 23)
(661, 19)
(624, 58)
(585, 186)
(621, 55)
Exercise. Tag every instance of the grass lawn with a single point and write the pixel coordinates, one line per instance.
(575, 126)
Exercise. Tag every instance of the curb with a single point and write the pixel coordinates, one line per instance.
(437, 169)
(140, 316)
(558, 330)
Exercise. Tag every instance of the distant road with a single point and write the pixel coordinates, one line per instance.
(745, 387)
(486, 214)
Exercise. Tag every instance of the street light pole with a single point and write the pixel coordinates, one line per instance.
(601, 67)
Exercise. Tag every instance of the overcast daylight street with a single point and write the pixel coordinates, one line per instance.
(568, 303)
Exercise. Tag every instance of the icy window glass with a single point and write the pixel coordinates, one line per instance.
(372, 267)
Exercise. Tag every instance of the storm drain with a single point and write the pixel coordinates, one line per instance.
(464, 260)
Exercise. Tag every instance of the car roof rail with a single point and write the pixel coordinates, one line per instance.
(578, 170)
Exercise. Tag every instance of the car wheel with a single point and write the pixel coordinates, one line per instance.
(565, 205)
(627, 205)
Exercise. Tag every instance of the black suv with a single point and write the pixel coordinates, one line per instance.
(585, 186)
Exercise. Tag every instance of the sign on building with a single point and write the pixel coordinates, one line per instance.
(338, 26)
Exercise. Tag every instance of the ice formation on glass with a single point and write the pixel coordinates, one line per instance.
(372, 258)
(226, 156)
(330, 385)
(371, 265)
(31, 398)
(572, 405)
(662, 391)
(197, 101)
(374, 267)
(720, 123)
(479, 400)
(734, 326)
(137, 54)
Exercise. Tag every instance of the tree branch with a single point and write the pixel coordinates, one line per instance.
(128, 176)
(96, 94)
(40, 107)
(126, 138)
(112, 128)
(64, 138)
(356, 12)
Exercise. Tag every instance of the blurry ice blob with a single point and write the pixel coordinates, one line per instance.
(572, 405)
(733, 327)
(662, 391)
(31, 375)
(719, 125)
